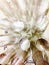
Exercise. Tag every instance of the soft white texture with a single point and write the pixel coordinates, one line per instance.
(2, 32)
(43, 7)
(21, 4)
(5, 23)
(18, 25)
(25, 45)
(42, 22)
(45, 35)
(4, 40)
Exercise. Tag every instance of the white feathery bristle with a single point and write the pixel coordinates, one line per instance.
(18, 25)
(32, 23)
(40, 47)
(25, 45)
(4, 23)
(8, 0)
(2, 32)
(43, 7)
(45, 35)
(2, 15)
(4, 40)
(21, 4)
(4, 7)
(42, 23)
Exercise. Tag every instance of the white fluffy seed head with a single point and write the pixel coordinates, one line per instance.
(25, 45)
